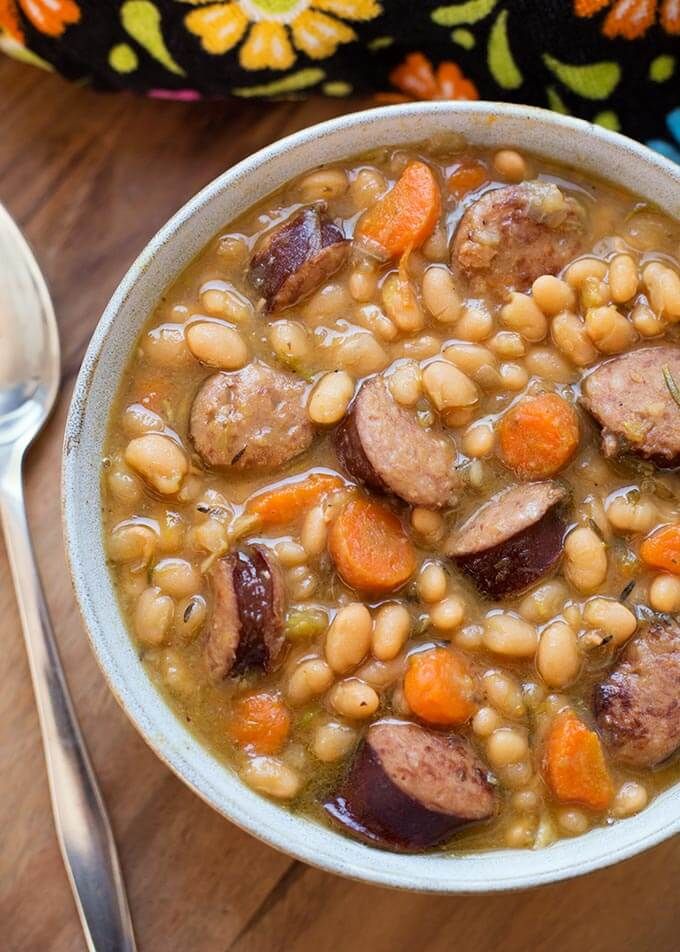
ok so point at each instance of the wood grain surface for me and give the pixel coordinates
(90, 178)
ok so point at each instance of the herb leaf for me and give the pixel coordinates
(671, 384)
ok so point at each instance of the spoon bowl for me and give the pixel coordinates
(29, 342)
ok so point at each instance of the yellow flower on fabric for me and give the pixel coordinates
(273, 30)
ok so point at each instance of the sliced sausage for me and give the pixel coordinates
(251, 418)
(410, 788)
(246, 626)
(637, 707)
(513, 540)
(381, 444)
(512, 235)
(632, 398)
(296, 257)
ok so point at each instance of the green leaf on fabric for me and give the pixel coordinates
(337, 88)
(464, 38)
(662, 68)
(380, 43)
(470, 12)
(501, 62)
(555, 101)
(608, 120)
(123, 58)
(22, 54)
(593, 81)
(142, 20)
(294, 82)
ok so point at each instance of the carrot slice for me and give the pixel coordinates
(438, 687)
(539, 436)
(260, 722)
(405, 216)
(661, 549)
(575, 767)
(466, 178)
(369, 547)
(282, 505)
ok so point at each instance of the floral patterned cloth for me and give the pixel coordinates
(615, 62)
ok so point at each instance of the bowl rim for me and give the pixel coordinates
(277, 833)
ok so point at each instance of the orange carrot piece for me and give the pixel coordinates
(282, 505)
(260, 722)
(439, 688)
(661, 549)
(575, 768)
(405, 216)
(539, 436)
(466, 178)
(369, 547)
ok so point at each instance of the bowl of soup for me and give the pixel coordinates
(372, 501)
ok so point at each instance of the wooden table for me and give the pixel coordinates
(90, 178)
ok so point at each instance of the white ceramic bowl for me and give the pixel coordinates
(569, 141)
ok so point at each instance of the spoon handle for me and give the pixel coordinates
(83, 829)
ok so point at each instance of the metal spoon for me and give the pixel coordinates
(29, 381)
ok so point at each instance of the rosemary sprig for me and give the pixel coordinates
(671, 384)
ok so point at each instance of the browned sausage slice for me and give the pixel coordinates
(381, 444)
(296, 257)
(513, 540)
(632, 398)
(251, 418)
(512, 235)
(410, 788)
(637, 707)
(246, 627)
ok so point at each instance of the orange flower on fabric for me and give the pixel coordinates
(415, 78)
(50, 17)
(631, 19)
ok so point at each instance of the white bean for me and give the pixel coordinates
(558, 659)
(506, 746)
(585, 563)
(272, 777)
(176, 577)
(631, 797)
(504, 692)
(448, 614)
(333, 741)
(309, 679)
(153, 615)
(391, 630)
(611, 617)
(509, 635)
(331, 397)
(314, 532)
(289, 341)
(431, 582)
(159, 461)
(553, 295)
(217, 345)
(349, 637)
(446, 386)
(544, 602)
(623, 278)
(523, 315)
(440, 295)
(354, 699)
(631, 512)
(609, 330)
(664, 593)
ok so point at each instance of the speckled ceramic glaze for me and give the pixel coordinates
(570, 141)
